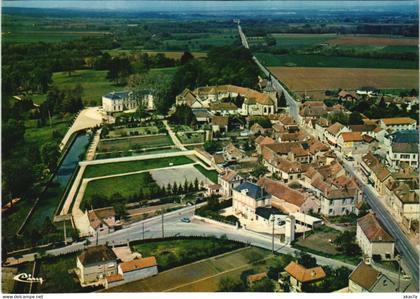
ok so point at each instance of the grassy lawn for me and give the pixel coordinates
(12, 220)
(133, 143)
(173, 253)
(180, 128)
(209, 270)
(94, 84)
(333, 61)
(204, 276)
(319, 241)
(212, 175)
(124, 167)
(129, 131)
(57, 279)
(41, 135)
(127, 186)
(160, 150)
(189, 138)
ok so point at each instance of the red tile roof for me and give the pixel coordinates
(302, 274)
(373, 230)
(281, 191)
(141, 263)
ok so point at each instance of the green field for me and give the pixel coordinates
(133, 143)
(212, 175)
(172, 253)
(126, 186)
(190, 138)
(41, 135)
(138, 130)
(124, 167)
(204, 275)
(26, 29)
(333, 61)
(57, 279)
(12, 220)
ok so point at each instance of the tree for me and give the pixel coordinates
(183, 115)
(12, 134)
(355, 118)
(261, 120)
(119, 69)
(259, 171)
(228, 284)
(281, 100)
(186, 57)
(263, 285)
(18, 176)
(50, 154)
(306, 260)
(212, 146)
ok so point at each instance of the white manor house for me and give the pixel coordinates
(217, 98)
(118, 101)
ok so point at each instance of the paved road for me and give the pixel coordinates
(291, 102)
(410, 255)
(173, 136)
(174, 227)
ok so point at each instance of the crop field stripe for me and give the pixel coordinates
(315, 78)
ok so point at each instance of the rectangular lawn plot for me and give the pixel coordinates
(133, 143)
(131, 166)
(127, 186)
(212, 175)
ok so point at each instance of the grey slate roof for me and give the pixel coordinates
(254, 191)
(117, 95)
(266, 212)
(407, 136)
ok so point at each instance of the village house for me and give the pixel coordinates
(102, 221)
(301, 277)
(231, 152)
(365, 278)
(133, 270)
(338, 202)
(349, 96)
(398, 123)
(320, 125)
(286, 171)
(229, 180)
(349, 141)
(373, 239)
(216, 97)
(261, 141)
(257, 129)
(219, 124)
(213, 189)
(376, 173)
(286, 199)
(312, 110)
(403, 198)
(332, 133)
(95, 263)
(399, 153)
(247, 197)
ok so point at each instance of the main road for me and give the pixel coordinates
(410, 256)
(291, 102)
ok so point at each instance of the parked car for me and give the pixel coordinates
(186, 220)
(349, 158)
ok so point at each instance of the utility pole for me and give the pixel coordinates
(143, 230)
(272, 236)
(304, 225)
(163, 228)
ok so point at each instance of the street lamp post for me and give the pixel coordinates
(272, 236)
